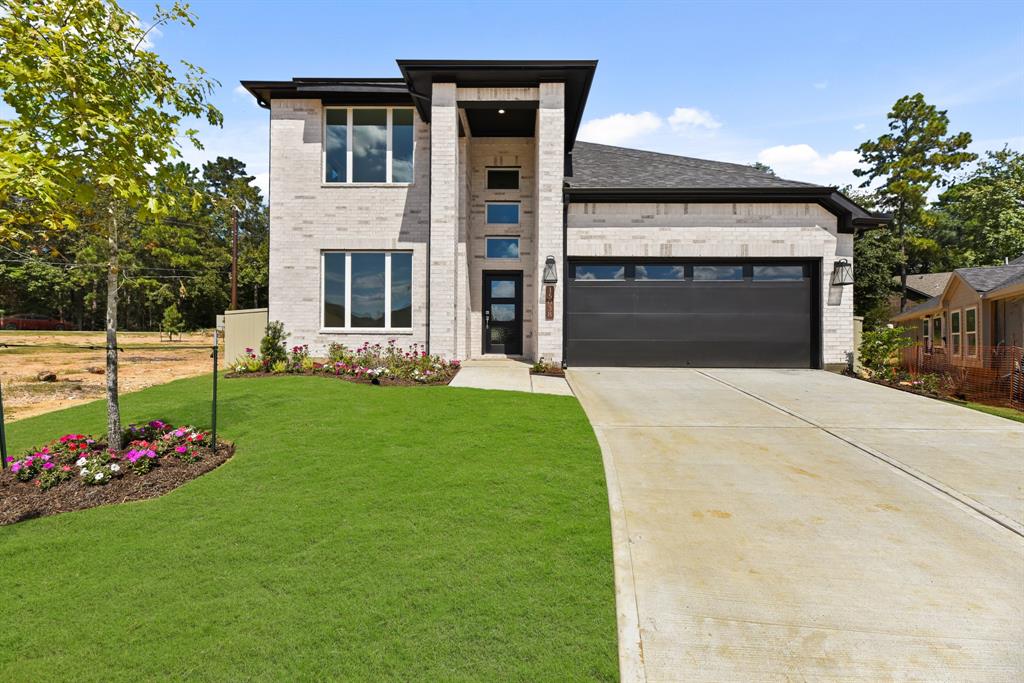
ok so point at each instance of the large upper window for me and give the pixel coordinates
(368, 145)
(367, 289)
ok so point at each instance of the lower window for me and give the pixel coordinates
(367, 289)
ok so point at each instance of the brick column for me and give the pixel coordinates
(444, 218)
(550, 177)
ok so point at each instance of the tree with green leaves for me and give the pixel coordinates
(982, 217)
(915, 155)
(98, 119)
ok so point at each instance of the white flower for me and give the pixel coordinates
(83, 473)
(99, 475)
(80, 461)
(114, 467)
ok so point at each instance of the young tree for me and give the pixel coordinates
(982, 217)
(916, 155)
(98, 121)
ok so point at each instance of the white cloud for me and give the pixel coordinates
(821, 85)
(688, 118)
(243, 139)
(241, 93)
(803, 162)
(860, 126)
(619, 128)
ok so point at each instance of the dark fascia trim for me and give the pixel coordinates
(332, 90)
(578, 75)
(849, 216)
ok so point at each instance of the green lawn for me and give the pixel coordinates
(359, 533)
(1008, 413)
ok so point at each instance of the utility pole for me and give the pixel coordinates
(234, 261)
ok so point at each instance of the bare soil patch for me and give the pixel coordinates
(22, 500)
(145, 361)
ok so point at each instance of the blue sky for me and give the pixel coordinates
(796, 85)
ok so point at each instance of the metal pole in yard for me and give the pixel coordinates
(214, 430)
(3, 434)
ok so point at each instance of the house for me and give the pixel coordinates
(453, 207)
(979, 312)
(920, 288)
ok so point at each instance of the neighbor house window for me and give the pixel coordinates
(503, 179)
(937, 331)
(599, 271)
(367, 289)
(718, 273)
(368, 145)
(971, 331)
(954, 333)
(926, 337)
(503, 213)
(660, 271)
(502, 247)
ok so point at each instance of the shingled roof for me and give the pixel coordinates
(606, 167)
(988, 278)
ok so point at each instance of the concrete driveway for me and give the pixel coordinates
(799, 525)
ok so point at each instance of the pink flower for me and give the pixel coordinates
(65, 468)
(48, 466)
(181, 449)
(16, 467)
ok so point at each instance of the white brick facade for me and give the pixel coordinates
(440, 218)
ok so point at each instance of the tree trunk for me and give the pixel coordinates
(113, 270)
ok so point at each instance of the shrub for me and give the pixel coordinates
(172, 323)
(279, 367)
(297, 356)
(879, 349)
(272, 346)
(248, 362)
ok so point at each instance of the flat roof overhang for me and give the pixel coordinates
(850, 217)
(332, 90)
(577, 75)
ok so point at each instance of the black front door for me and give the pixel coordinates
(503, 313)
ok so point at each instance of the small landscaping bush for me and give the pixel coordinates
(879, 351)
(369, 362)
(272, 346)
(543, 367)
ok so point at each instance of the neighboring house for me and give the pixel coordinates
(978, 312)
(454, 208)
(920, 288)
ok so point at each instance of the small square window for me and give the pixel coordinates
(503, 247)
(503, 214)
(503, 179)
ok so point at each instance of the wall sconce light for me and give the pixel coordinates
(842, 273)
(550, 271)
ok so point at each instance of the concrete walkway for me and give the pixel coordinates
(798, 525)
(507, 375)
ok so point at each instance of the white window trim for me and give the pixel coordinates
(517, 238)
(977, 328)
(519, 213)
(956, 338)
(387, 329)
(348, 149)
(487, 178)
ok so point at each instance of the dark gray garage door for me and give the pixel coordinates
(692, 313)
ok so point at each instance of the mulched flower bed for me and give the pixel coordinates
(549, 372)
(77, 472)
(379, 381)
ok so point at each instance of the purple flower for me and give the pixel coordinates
(15, 467)
(181, 449)
(48, 466)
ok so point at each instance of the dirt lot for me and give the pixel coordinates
(145, 361)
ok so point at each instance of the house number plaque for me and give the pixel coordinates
(549, 302)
